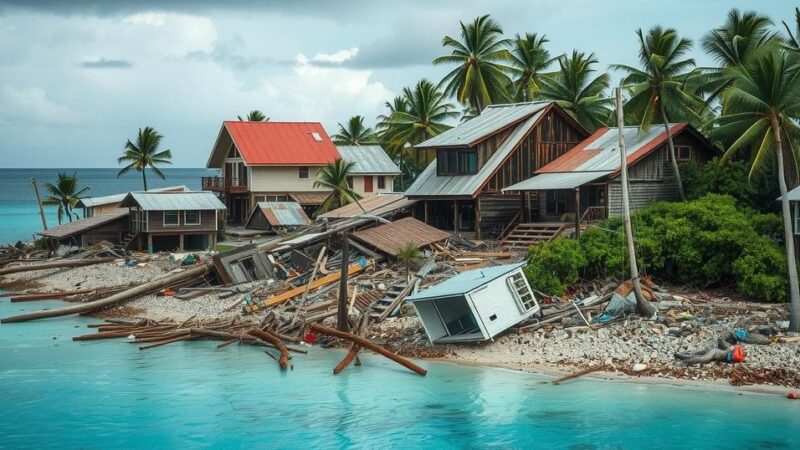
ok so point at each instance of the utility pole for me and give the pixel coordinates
(39, 202)
(643, 307)
(341, 316)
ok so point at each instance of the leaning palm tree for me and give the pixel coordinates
(573, 88)
(145, 153)
(254, 116)
(335, 177)
(64, 194)
(792, 38)
(354, 133)
(658, 90)
(481, 75)
(529, 60)
(764, 101)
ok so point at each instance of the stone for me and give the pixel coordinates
(639, 367)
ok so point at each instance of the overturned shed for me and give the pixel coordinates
(243, 264)
(391, 237)
(272, 216)
(475, 305)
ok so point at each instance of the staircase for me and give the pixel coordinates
(387, 304)
(526, 234)
(126, 241)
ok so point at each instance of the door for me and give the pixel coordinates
(368, 184)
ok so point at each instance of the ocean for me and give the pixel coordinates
(19, 215)
(59, 393)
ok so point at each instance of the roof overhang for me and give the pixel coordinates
(560, 180)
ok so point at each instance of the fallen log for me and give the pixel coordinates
(55, 265)
(123, 296)
(322, 329)
(351, 355)
(276, 341)
(580, 373)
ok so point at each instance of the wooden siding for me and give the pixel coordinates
(496, 211)
(552, 137)
(488, 147)
(642, 194)
(156, 223)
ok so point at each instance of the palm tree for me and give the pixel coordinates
(354, 133)
(573, 88)
(145, 153)
(529, 59)
(408, 255)
(334, 176)
(792, 40)
(481, 76)
(254, 116)
(659, 88)
(764, 99)
(64, 194)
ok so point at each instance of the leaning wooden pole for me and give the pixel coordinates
(39, 202)
(276, 341)
(341, 315)
(322, 329)
(64, 263)
(123, 296)
(643, 306)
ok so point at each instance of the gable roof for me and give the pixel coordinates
(280, 214)
(89, 202)
(172, 201)
(368, 159)
(275, 143)
(465, 282)
(491, 120)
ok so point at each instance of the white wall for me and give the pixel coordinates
(358, 184)
(282, 179)
(430, 320)
(496, 299)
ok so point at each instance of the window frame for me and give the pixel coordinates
(457, 162)
(177, 219)
(300, 171)
(679, 157)
(524, 305)
(186, 217)
(381, 182)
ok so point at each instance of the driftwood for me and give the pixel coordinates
(351, 355)
(322, 329)
(55, 265)
(283, 362)
(123, 296)
(580, 373)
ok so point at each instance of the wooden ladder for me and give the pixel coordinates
(391, 299)
(526, 234)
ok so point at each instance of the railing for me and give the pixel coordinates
(594, 214)
(510, 226)
(223, 184)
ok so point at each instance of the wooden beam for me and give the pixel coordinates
(455, 216)
(426, 212)
(578, 212)
(478, 217)
(324, 281)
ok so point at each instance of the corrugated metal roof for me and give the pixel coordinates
(281, 143)
(560, 180)
(491, 120)
(465, 282)
(368, 159)
(794, 195)
(116, 198)
(309, 198)
(430, 184)
(281, 214)
(600, 151)
(391, 237)
(375, 205)
(82, 225)
(172, 201)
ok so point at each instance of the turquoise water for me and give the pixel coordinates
(107, 394)
(19, 215)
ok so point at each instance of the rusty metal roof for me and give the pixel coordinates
(391, 237)
(375, 205)
(281, 214)
(309, 198)
(368, 159)
(83, 225)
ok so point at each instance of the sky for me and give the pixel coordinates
(79, 77)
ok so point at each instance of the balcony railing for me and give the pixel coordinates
(594, 214)
(224, 184)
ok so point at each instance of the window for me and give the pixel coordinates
(683, 153)
(381, 182)
(171, 219)
(302, 172)
(316, 137)
(350, 182)
(456, 162)
(522, 293)
(233, 152)
(555, 203)
(191, 217)
(272, 198)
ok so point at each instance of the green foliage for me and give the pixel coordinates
(354, 132)
(409, 255)
(710, 241)
(731, 179)
(334, 177)
(144, 153)
(64, 194)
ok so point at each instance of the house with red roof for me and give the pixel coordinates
(280, 161)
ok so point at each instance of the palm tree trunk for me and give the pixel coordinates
(671, 146)
(791, 262)
(144, 178)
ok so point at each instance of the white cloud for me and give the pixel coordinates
(31, 106)
(338, 57)
(147, 18)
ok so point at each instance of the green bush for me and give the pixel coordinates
(731, 179)
(711, 241)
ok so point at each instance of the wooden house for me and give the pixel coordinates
(111, 226)
(173, 220)
(462, 189)
(109, 204)
(584, 185)
(476, 305)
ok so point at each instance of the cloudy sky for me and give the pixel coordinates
(78, 77)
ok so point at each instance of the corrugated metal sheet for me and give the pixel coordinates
(600, 151)
(391, 237)
(368, 159)
(172, 201)
(430, 184)
(465, 282)
(375, 205)
(116, 198)
(794, 195)
(492, 119)
(82, 225)
(309, 198)
(282, 214)
(282, 143)
(546, 181)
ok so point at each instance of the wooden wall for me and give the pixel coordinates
(156, 223)
(496, 212)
